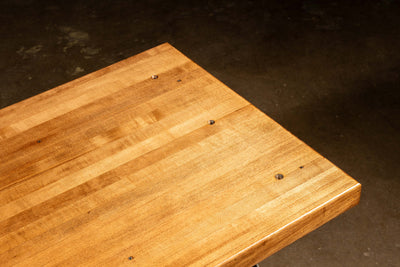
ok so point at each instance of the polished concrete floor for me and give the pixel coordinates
(328, 71)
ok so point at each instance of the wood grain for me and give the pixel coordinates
(117, 168)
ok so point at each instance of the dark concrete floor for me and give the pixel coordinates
(328, 71)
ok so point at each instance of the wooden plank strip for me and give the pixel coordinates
(129, 123)
(75, 89)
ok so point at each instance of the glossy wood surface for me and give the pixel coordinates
(119, 168)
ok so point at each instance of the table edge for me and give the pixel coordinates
(296, 229)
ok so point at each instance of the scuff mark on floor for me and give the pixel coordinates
(88, 52)
(25, 53)
(72, 38)
(76, 71)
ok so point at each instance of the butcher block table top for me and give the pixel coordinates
(154, 161)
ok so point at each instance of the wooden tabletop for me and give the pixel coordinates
(154, 161)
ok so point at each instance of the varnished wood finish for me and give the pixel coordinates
(117, 165)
